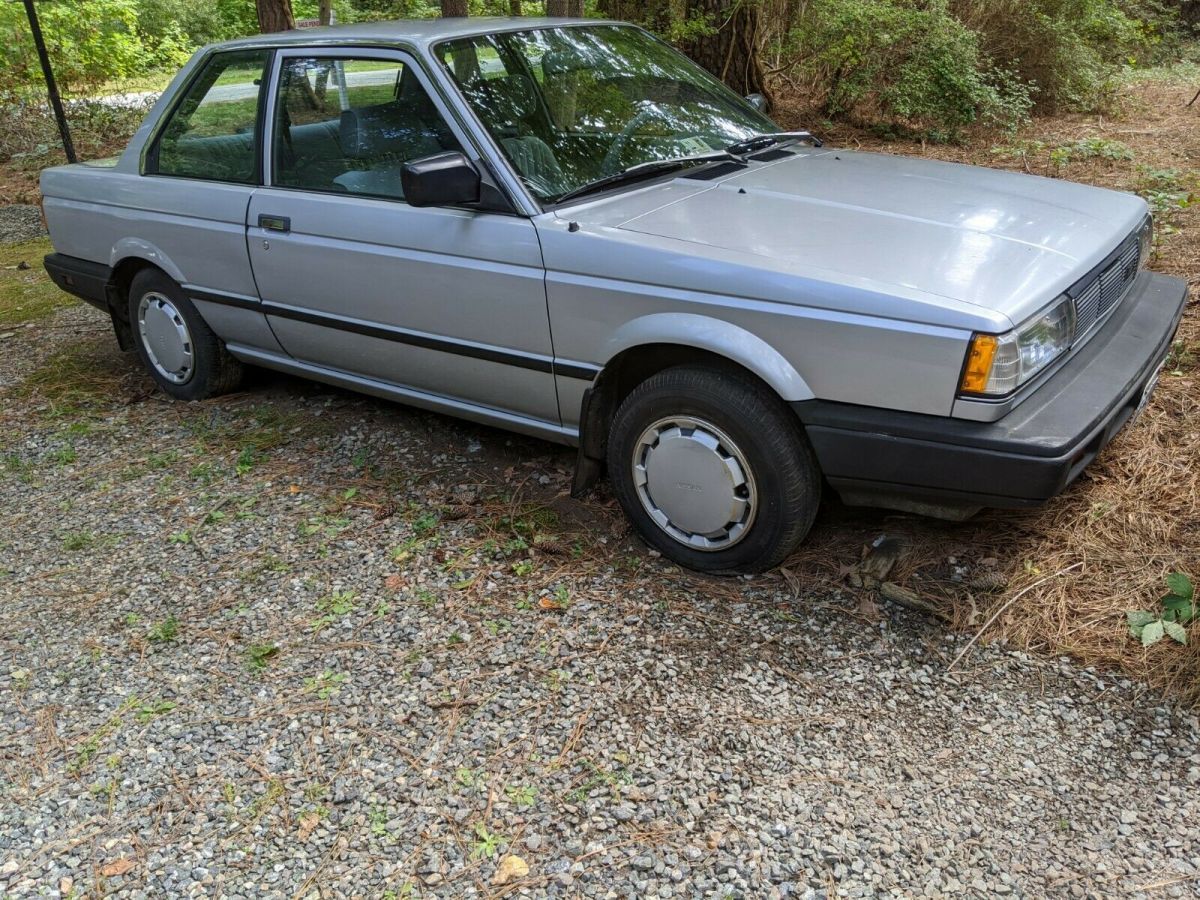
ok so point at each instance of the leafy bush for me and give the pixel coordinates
(904, 61)
(90, 41)
(1071, 49)
(940, 65)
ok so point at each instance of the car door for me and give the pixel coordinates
(448, 302)
(200, 169)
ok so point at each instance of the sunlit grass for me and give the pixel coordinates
(27, 294)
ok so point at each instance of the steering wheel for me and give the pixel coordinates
(612, 159)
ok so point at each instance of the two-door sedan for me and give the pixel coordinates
(566, 228)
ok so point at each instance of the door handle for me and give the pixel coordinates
(274, 223)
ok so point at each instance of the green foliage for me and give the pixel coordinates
(1177, 608)
(936, 66)
(487, 843)
(258, 655)
(89, 40)
(903, 62)
(1072, 50)
(523, 795)
(1165, 190)
(1090, 148)
(152, 710)
(165, 631)
(325, 685)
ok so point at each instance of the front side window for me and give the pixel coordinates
(570, 105)
(212, 133)
(347, 125)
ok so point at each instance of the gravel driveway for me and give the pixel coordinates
(301, 643)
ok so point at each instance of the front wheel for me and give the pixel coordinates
(713, 469)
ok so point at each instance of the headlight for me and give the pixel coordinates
(998, 364)
(1145, 242)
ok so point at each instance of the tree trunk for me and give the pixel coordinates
(731, 51)
(275, 15)
(514, 7)
(325, 12)
(557, 8)
(454, 8)
(575, 8)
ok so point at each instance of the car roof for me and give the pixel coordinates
(406, 31)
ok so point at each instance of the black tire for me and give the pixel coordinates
(770, 440)
(212, 370)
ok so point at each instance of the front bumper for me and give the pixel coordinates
(953, 467)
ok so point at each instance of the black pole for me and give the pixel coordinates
(51, 86)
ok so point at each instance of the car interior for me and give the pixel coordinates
(360, 150)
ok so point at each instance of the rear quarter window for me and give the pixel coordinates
(213, 131)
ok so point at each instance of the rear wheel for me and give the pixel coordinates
(175, 344)
(713, 469)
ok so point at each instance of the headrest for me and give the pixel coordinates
(370, 130)
(504, 101)
(561, 60)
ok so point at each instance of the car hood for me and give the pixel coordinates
(1003, 241)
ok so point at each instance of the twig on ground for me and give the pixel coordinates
(1005, 605)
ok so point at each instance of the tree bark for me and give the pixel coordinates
(557, 8)
(731, 51)
(454, 9)
(274, 15)
(514, 7)
(325, 12)
(575, 8)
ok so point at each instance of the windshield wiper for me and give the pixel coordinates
(759, 141)
(643, 169)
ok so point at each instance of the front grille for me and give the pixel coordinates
(1099, 293)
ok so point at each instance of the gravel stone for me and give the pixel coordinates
(19, 223)
(300, 641)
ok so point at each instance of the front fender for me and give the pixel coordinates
(716, 336)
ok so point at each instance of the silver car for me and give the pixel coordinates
(565, 228)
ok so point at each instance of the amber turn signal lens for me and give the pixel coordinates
(979, 363)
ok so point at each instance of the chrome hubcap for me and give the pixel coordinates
(694, 481)
(165, 336)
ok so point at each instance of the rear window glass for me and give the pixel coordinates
(212, 132)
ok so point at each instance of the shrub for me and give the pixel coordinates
(89, 41)
(1071, 49)
(902, 61)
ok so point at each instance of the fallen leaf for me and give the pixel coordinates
(293, 488)
(394, 582)
(308, 822)
(117, 867)
(868, 608)
(549, 603)
(511, 868)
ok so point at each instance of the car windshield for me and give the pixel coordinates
(569, 106)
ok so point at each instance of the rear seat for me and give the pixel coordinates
(224, 157)
(316, 156)
(362, 151)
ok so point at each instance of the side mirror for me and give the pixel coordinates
(444, 179)
(758, 101)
